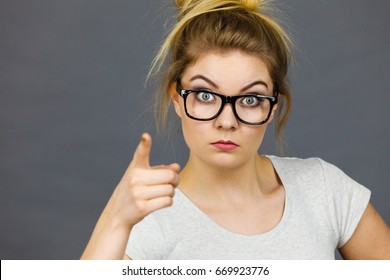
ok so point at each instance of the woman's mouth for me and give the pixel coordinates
(225, 145)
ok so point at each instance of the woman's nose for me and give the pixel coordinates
(227, 119)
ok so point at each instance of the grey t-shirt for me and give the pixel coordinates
(322, 209)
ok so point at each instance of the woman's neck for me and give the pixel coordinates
(252, 179)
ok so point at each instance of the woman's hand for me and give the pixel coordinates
(143, 189)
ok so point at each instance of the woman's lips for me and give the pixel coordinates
(225, 145)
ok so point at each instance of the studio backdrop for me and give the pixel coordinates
(73, 105)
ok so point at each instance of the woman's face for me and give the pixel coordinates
(231, 73)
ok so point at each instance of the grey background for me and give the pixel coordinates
(73, 106)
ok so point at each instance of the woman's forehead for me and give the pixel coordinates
(228, 67)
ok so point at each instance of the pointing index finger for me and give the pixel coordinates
(142, 152)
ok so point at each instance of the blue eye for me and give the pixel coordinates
(205, 96)
(250, 101)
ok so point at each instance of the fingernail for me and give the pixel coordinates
(143, 137)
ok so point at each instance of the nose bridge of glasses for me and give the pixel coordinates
(228, 100)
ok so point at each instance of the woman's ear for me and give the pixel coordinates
(175, 98)
(274, 108)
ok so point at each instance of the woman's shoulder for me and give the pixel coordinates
(311, 170)
(295, 165)
(295, 160)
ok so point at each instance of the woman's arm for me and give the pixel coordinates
(109, 238)
(142, 190)
(371, 239)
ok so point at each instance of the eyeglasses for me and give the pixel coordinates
(204, 105)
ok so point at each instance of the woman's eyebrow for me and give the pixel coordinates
(255, 83)
(205, 79)
(216, 86)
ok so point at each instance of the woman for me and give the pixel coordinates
(227, 81)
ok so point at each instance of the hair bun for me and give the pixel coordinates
(250, 5)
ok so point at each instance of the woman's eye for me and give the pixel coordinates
(205, 96)
(250, 101)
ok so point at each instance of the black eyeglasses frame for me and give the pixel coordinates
(227, 99)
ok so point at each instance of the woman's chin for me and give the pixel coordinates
(224, 161)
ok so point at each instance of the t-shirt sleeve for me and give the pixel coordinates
(347, 201)
(147, 241)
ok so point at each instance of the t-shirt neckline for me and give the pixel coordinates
(216, 227)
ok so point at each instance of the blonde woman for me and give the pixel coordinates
(224, 68)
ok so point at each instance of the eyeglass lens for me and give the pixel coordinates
(206, 105)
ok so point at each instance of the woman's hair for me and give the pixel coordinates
(220, 26)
